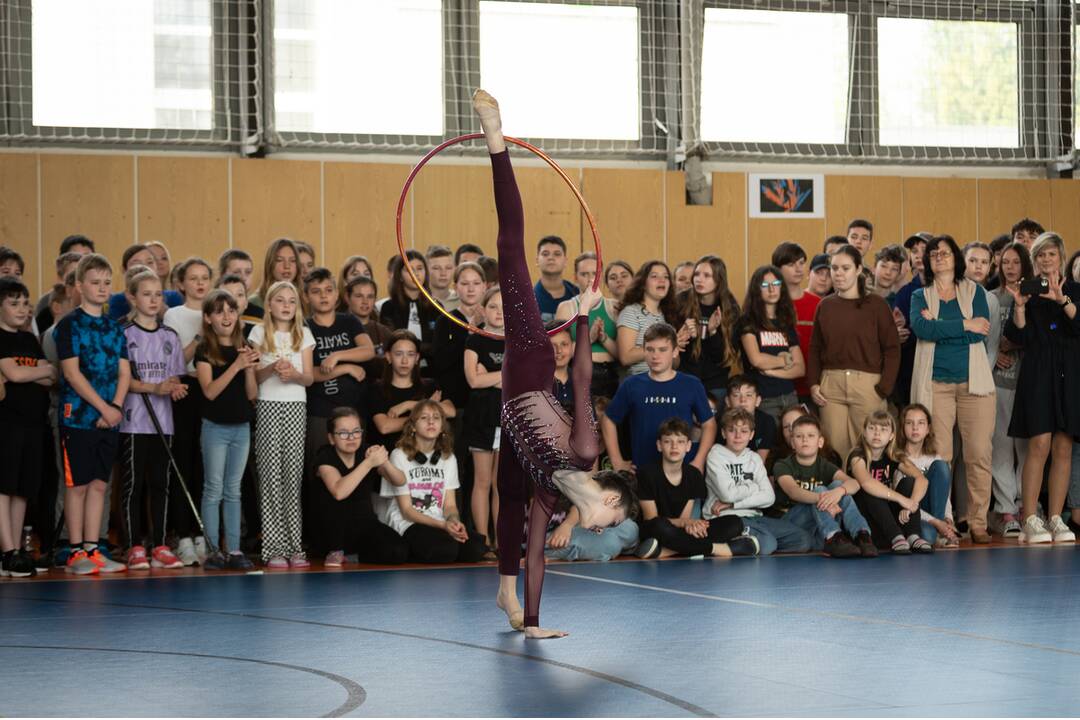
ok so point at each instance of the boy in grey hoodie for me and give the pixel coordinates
(738, 485)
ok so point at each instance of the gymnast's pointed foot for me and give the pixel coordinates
(539, 633)
(487, 110)
(507, 601)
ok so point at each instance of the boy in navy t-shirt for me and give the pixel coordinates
(651, 398)
(93, 360)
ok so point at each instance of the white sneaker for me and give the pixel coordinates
(1061, 531)
(1035, 531)
(200, 550)
(185, 550)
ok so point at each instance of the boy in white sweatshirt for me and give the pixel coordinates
(738, 485)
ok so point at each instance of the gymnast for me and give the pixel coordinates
(547, 448)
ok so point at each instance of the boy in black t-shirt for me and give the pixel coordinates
(23, 414)
(742, 392)
(667, 491)
(341, 344)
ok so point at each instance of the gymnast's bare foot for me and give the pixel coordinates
(487, 110)
(508, 603)
(539, 633)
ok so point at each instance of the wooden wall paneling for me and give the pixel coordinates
(19, 220)
(766, 233)
(361, 200)
(551, 209)
(271, 199)
(1003, 202)
(629, 212)
(943, 206)
(93, 195)
(873, 198)
(1065, 211)
(718, 229)
(184, 203)
(453, 205)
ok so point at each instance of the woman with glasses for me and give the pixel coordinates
(854, 353)
(769, 340)
(950, 316)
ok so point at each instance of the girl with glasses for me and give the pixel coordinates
(769, 340)
(348, 473)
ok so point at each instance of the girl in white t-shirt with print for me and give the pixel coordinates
(421, 479)
(285, 347)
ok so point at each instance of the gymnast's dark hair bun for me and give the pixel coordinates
(624, 483)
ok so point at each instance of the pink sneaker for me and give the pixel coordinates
(136, 558)
(299, 562)
(277, 563)
(164, 558)
(335, 559)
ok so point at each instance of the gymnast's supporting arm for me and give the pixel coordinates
(583, 433)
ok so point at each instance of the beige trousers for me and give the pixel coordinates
(974, 415)
(851, 398)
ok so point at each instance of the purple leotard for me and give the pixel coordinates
(541, 435)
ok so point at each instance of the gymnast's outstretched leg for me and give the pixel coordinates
(528, 365)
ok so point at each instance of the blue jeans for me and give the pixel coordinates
(587, 545)
(225, 455)
(937, 495)
(822, 524)
(778, 535)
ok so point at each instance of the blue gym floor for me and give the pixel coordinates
(975, 632)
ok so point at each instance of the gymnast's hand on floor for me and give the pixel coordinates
(539, 633)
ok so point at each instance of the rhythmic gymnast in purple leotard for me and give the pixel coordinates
(546, 448)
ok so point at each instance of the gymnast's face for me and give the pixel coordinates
(604, 513)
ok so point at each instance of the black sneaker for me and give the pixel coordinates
(215, 561)
(648, 548)
(838, 546)
(866, 545)
(17, 564)
(239, 562)
(744, 545)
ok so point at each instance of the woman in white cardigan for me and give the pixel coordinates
(951, 319)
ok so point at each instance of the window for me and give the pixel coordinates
(562, 71)
(947, 83)
(769, 76)
(358, 66)
(122, 64)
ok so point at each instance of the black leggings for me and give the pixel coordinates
(187, 449)
(884, 516)
(145, 470)
(721, 529)
(350, 525)
(429, 544)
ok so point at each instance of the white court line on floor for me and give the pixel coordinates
(823, 613)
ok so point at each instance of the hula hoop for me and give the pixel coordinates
(554, 166)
